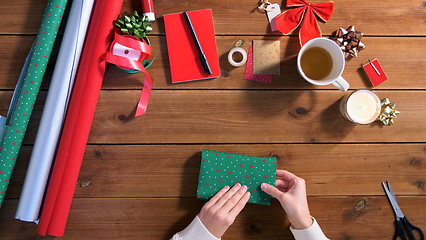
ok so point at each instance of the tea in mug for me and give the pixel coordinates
(316, 63)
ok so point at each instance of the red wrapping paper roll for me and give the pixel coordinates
(79, 118)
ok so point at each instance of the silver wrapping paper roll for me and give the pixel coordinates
(54, 111)
(2, 126)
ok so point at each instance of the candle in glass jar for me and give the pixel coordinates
(361, 106)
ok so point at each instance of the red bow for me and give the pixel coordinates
(292, 18)
(128, 64)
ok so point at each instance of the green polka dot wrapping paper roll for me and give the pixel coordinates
(219, 169)
(27, 90)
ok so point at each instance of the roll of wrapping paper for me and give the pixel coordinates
(27, 89)
(79, 118)
(54, 111)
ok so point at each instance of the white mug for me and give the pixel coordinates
(335, 76)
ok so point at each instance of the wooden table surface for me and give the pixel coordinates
(139, 175)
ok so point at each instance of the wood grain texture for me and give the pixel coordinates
(135, 171)
(249, 117)
(187, 116)
(354, 217)
(402, 18)
(404, 70)
(139, 175)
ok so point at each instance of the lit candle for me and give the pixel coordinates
(361, 106)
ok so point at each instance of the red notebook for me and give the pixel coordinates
(183, 54)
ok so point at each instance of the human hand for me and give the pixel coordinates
(290, 190)
(222, 209)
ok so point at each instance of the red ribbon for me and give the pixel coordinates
(128, 63)
(304, 16)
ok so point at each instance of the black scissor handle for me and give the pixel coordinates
(410, 228)
(399, 231)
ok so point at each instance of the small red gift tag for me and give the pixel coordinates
(375, 72)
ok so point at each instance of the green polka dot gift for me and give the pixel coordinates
(219, 169)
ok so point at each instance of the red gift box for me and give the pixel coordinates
(375, 72)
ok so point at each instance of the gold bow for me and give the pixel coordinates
(263, 4)
(388, 112)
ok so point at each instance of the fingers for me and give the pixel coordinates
(286, 175)
(233, 201)
(222, 209)
(216, 197)
(284, 190)
(288, 180)
(281, 184)
(271, 190)
(241, 204)
(224, 199)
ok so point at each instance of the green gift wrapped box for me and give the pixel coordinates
(219, 169)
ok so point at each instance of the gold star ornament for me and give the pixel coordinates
(388, 112)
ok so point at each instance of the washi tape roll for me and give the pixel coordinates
(231, 60)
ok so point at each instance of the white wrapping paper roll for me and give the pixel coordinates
(54, 111)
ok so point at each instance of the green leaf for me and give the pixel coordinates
(121, 21)
(149, 29)
(133, 19)
(129, 26)
(136, 14)
(126, 18)
(124, 30)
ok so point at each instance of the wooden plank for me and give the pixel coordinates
(183, 116)
(240, 117)
(21, 17)
(409, 65)
(139, 175)
(402, 18)
(153, 218)
(249, 117)
(172, 170)
(230, 18)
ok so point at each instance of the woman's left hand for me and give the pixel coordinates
(221, 210)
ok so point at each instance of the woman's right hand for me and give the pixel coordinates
(290, 190)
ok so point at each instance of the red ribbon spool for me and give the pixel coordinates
(128, 63)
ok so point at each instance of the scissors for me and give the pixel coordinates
(400, 220)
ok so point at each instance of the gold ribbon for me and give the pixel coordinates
(388, 112)
(263, 4)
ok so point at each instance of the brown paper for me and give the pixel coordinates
(266, 57)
